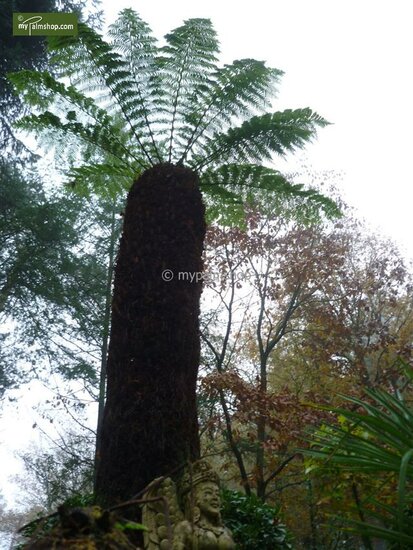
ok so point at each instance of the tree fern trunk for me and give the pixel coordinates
(150, 421)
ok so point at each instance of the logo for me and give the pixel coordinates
(44, 24)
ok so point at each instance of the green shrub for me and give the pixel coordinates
(254, 525)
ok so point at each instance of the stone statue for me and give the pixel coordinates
(196, 523)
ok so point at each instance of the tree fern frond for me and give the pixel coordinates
(72, 59)
(186, 62)
(113, 71)
(261, 136)
(98, 137)
(240, 183)
(230, 215)
(238, 89)
(133, 38)
(106, 178)
(42, 90)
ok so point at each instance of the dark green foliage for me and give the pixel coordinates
(37, 233)
(254, 524)
(16, 52)
(53, 279)
(37, 230)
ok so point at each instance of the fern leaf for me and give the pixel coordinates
(260, 137)
(186, 63)
(132, 37)
(238, 90)
(42, 90)
(95, 136)
(104, 178)
(111, 70)
(247, 183)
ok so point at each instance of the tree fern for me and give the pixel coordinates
(173, 123)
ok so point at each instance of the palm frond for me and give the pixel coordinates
(378, 440)
(404, 539)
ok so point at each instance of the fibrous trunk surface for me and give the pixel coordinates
(150, 422)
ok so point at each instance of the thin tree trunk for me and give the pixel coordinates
(105, 342)
(365, 538)
(262, 432)
(233, 446)
(312, 512)
(150, 424)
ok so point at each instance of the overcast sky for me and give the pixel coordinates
(350, 61)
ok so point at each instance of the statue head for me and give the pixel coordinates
(200, 492)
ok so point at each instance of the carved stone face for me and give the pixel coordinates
(208, 499)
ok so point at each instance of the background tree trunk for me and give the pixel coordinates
(150, 421)
(105, 340)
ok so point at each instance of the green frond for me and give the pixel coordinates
(250, 183)
(80, 58)
(371, 442)
(186, 65)
(33, 87)
(109, 179)
(237, 90)
(133, 39)
(246, 85)
(99, 137)
(226, 214)
(108, 68)
(377, 441)
(260, 137)
(42, 90)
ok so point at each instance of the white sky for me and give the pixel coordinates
(348, 60)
